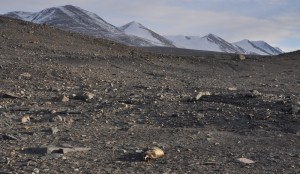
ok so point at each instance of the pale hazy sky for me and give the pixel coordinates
(274, 21)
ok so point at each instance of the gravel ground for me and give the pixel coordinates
(75, 104)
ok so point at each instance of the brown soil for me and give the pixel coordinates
(142, 99)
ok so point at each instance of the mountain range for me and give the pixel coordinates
(75, 19)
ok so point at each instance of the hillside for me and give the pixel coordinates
(77, 104)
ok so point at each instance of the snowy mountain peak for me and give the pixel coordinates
(136, 29)
(132, 25)
(210, 35)
(135, 23)
(258, 47)
(75, 19)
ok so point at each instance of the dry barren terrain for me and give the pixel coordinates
(75, 104)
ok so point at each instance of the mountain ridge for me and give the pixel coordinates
(75, 19)
(209, 42)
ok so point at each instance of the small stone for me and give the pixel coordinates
(36, 170)
(139, 151)
(63, 98)
(153, 153)
(242, 57)
(202, 94)
(25, 76)
(210, 163)
(25, 119)
(232, 88)
(245, 161)
(253, 94)
(57, 118)
(55, 89)
(54, 130)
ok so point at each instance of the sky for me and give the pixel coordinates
(274, 21)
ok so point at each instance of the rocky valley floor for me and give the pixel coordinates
(76, 104)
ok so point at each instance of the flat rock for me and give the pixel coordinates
(245, 161)
(232, 89)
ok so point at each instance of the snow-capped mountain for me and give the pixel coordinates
(267, 48)
(250, 47)
(209, 42)
(137, 29)
(25, 16)
(258, 47)
(75, 19)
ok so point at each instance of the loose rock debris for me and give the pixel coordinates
(142, 100)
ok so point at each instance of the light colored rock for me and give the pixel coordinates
(246, 161)
(25, 119)
(54, 130)
(232, 88)
(202, 94)
(153, 153)
(36, 170)
(242, 57)
(25, 76)
(63, 98)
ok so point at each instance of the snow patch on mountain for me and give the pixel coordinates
(137, 29)
(26, 16)
(258, 47)
(267, 48)
(209, 42)
(250, 47)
